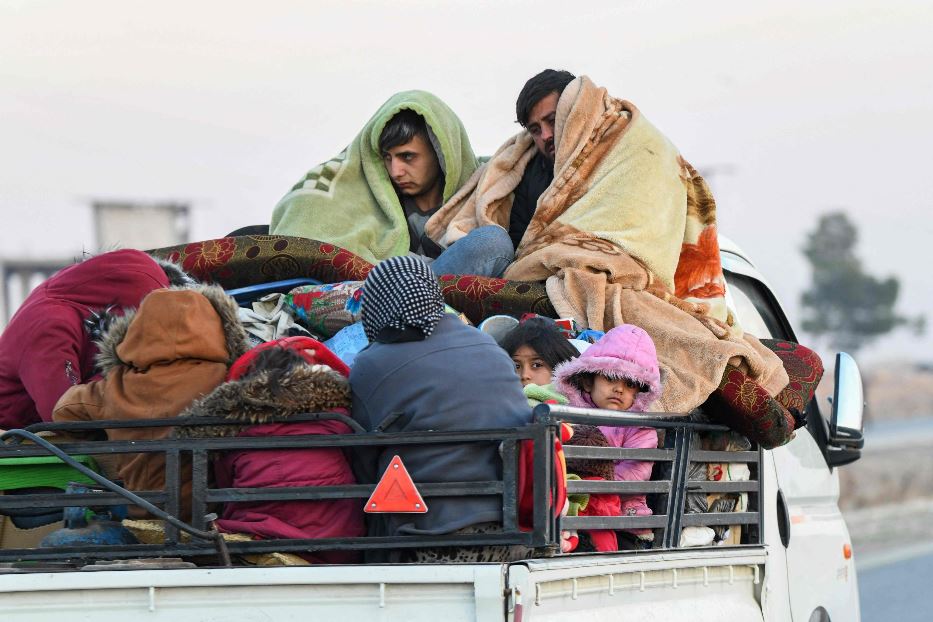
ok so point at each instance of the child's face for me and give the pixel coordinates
(530, 367)
(611, 394)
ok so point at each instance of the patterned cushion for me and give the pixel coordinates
(479, 297)
(325, 309)
(233, 262)
(804, 368)
(252, 259)
(742, 404)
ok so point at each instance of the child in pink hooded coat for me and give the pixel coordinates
(619, 372)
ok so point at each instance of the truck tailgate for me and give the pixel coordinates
(708, 584)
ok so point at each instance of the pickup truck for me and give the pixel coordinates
(786, 554)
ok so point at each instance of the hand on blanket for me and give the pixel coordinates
(700, 312)
(717, 327)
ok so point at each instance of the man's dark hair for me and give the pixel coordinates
(544, 337)
(547, 82)
(401, 129)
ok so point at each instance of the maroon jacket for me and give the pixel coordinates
(45, 349)
(304, 388)
(291, 468)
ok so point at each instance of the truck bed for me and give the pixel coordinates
(160, 581)
(701, 584)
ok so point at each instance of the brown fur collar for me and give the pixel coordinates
(224, 305)
(303, 389)
(177, 277)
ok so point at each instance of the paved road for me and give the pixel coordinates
(898, 433)
(895, 585)
(894, 575)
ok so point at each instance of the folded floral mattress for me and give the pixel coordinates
(242, 261)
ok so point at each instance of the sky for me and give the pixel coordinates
(792, 108)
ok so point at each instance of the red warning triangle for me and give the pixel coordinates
(395, 492)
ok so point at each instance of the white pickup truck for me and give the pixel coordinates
(793, 560)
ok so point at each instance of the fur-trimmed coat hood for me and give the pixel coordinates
(251, 401)
(176, 348)
(176, 275)
(626, 351)
(175, 323)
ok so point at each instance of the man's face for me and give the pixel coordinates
(413, 167)
(541, 124)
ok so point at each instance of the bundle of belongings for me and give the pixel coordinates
(626, 233)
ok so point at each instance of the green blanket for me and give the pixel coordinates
(350, 201)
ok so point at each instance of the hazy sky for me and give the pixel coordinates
(798, 107)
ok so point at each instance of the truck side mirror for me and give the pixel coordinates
(846, 437)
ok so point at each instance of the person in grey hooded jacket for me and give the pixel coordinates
(427, 370)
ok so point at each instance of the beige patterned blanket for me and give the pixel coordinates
(626, 233)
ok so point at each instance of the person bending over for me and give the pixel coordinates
(49, 344)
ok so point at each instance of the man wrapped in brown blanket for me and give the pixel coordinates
(626, 233)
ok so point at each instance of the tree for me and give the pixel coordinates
(844, 304)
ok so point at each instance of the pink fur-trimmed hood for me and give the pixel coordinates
(626, 351)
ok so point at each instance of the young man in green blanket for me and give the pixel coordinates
(413, 158)
(374, 197)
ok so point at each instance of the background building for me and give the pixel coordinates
(117, 224)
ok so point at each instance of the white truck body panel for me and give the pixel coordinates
(699, 585)
(342, 593)
(818, 573)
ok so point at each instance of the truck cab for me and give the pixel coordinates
(809, 543)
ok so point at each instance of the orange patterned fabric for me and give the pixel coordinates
(699, 271)
(699, 277)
